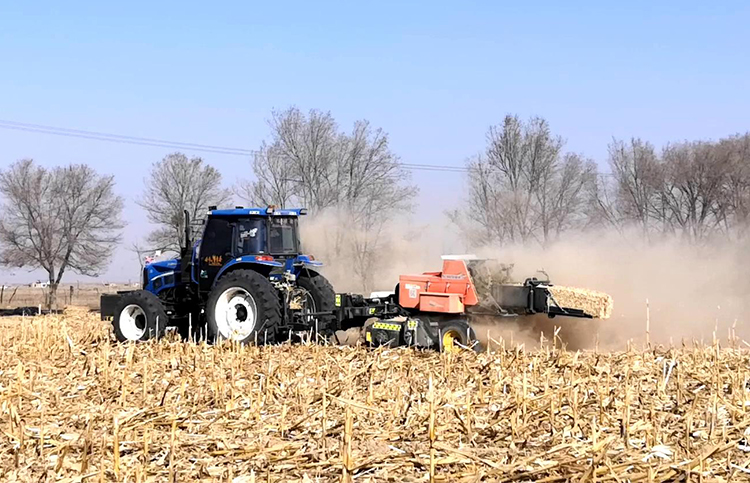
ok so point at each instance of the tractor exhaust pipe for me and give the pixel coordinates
(187, 233)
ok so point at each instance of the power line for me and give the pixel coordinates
(117, 138)
(161, 143)
(435, 167)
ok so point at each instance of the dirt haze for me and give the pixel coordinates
(692, 291)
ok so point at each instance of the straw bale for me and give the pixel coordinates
(75, 406)
(596, 304)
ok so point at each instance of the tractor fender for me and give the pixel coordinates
(301, 261)
(249, 262)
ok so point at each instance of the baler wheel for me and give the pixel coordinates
(456, 336)
(451, 339)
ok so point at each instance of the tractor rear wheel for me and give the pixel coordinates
(139, 316)
(320, 298)
(243, 307)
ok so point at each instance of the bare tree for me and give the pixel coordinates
(310, 162)
(638, 178)
(694, 185)
(564, 195)
(525, 155)
(523, 188)
(485, 191)
(61, 219)
(273, 185)
(177, 184)
(602, 207)
(734, 205)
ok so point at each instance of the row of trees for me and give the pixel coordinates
(693, 189)
(526, 188)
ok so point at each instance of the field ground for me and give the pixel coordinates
(74, 406)
(67, 294)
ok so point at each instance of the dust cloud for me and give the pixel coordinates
(398, 247)
(694, 293)
(687, 293)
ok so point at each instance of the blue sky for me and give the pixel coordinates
(434, 75)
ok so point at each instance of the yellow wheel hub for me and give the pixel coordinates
(451, 340)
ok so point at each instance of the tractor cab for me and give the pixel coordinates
(253, 231)
(263, 239)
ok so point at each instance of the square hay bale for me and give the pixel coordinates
(596, 304)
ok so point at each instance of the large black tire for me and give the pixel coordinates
(324, 298)
(259, 298)
(139, 316)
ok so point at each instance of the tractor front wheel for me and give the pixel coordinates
(243, 307)
(139, 316)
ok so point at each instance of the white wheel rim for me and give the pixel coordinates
(133, 322)
(235, 313)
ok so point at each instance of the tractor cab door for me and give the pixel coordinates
(215, 251)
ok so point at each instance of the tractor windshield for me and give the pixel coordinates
(266, 235)
(251, 236)
(283, 236)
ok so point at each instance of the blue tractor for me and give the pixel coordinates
(244, 280)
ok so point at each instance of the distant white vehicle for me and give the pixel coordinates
(38, 284)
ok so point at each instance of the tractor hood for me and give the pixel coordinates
(164, 265)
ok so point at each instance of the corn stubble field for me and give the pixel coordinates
(77, 407)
